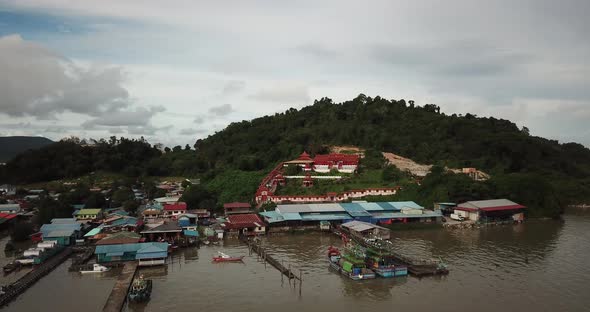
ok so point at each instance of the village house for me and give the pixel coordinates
(64, 231)
(87, 214)
(168, 231)
(244, 224)
(493, 210)
(146, 254)
(236, 208)
(10, 208)
(175, 209)
(366, 230)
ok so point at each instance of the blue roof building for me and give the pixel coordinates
(153, 253)
(384, 212)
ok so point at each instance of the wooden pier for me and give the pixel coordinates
(256, 246)
(118, 295)
(81, 258)
(15, 289)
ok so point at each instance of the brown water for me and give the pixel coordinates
(537, 266)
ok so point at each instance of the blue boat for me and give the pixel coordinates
(384, 265)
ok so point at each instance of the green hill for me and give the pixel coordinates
(14, 145)
(540, 173)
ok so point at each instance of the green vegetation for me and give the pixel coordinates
(21, 231)
(12, 146)
(539, 173)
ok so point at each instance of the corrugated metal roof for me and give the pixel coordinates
(93, 232)
(492, 203)
(326, 207)
(290, 216)
(88, 212)
(293, 208)
(106, 249)
(386, 206)
(272, 216)
(355, 210)
(58, 233)
(399, 215)
(360, 226)
(405, 204)
(63, 221)
(372, 206)
(325, 216)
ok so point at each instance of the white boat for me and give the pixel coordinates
(25, 261)
(96, 268)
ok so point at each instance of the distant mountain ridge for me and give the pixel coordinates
(14, 145)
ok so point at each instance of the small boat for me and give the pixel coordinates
(226, 258)
(11, 267)
(141, 290)
(25, 261)
(96, 268)
(349, 266)
(206, 242)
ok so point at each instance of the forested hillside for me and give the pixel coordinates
(533, 170)
(14, 145)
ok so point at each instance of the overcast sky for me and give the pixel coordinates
(175, 71)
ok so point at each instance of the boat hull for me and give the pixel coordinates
(233, 259)
(354, 277)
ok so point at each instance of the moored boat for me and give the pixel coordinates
(96, 268)
(221, 257)
(348, 265)
(11, 267)
(385, 265)
(141, 289)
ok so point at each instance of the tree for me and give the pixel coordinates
(131, 206)
(95, 200)
(121, 196)
(390, 173)
(21, 231)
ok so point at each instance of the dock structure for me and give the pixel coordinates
(416, 267)
(84, 254)
(118, 295)
(256, 246)
(15, 289)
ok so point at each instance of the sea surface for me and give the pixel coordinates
(535, 266)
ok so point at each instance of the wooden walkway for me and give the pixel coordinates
(15, 289)
(119, 293)
(255, 246)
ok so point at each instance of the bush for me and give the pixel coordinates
(22, 231)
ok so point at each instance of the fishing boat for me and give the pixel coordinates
(96, 268)
(141, 289)
(348, 265)
(11, 267)
(384, 265)
(221, 257)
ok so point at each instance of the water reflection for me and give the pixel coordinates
(537, 266)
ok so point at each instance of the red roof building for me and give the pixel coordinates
(174, 209)
(237, 208)
(491, 210)
(246, 224)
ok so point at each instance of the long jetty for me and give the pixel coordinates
(256, 246)
(15, 289)
(118, 295)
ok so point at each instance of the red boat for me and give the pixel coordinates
(226, 258)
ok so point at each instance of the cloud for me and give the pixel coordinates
(199, 120)
(35, 81)
(233, 87)
(135, 118)
(221, 110)
(192, 131)
(290, 94)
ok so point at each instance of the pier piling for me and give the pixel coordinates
(118, 295)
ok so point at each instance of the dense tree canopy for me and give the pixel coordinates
(231, 162)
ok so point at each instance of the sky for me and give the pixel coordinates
(175, 71)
